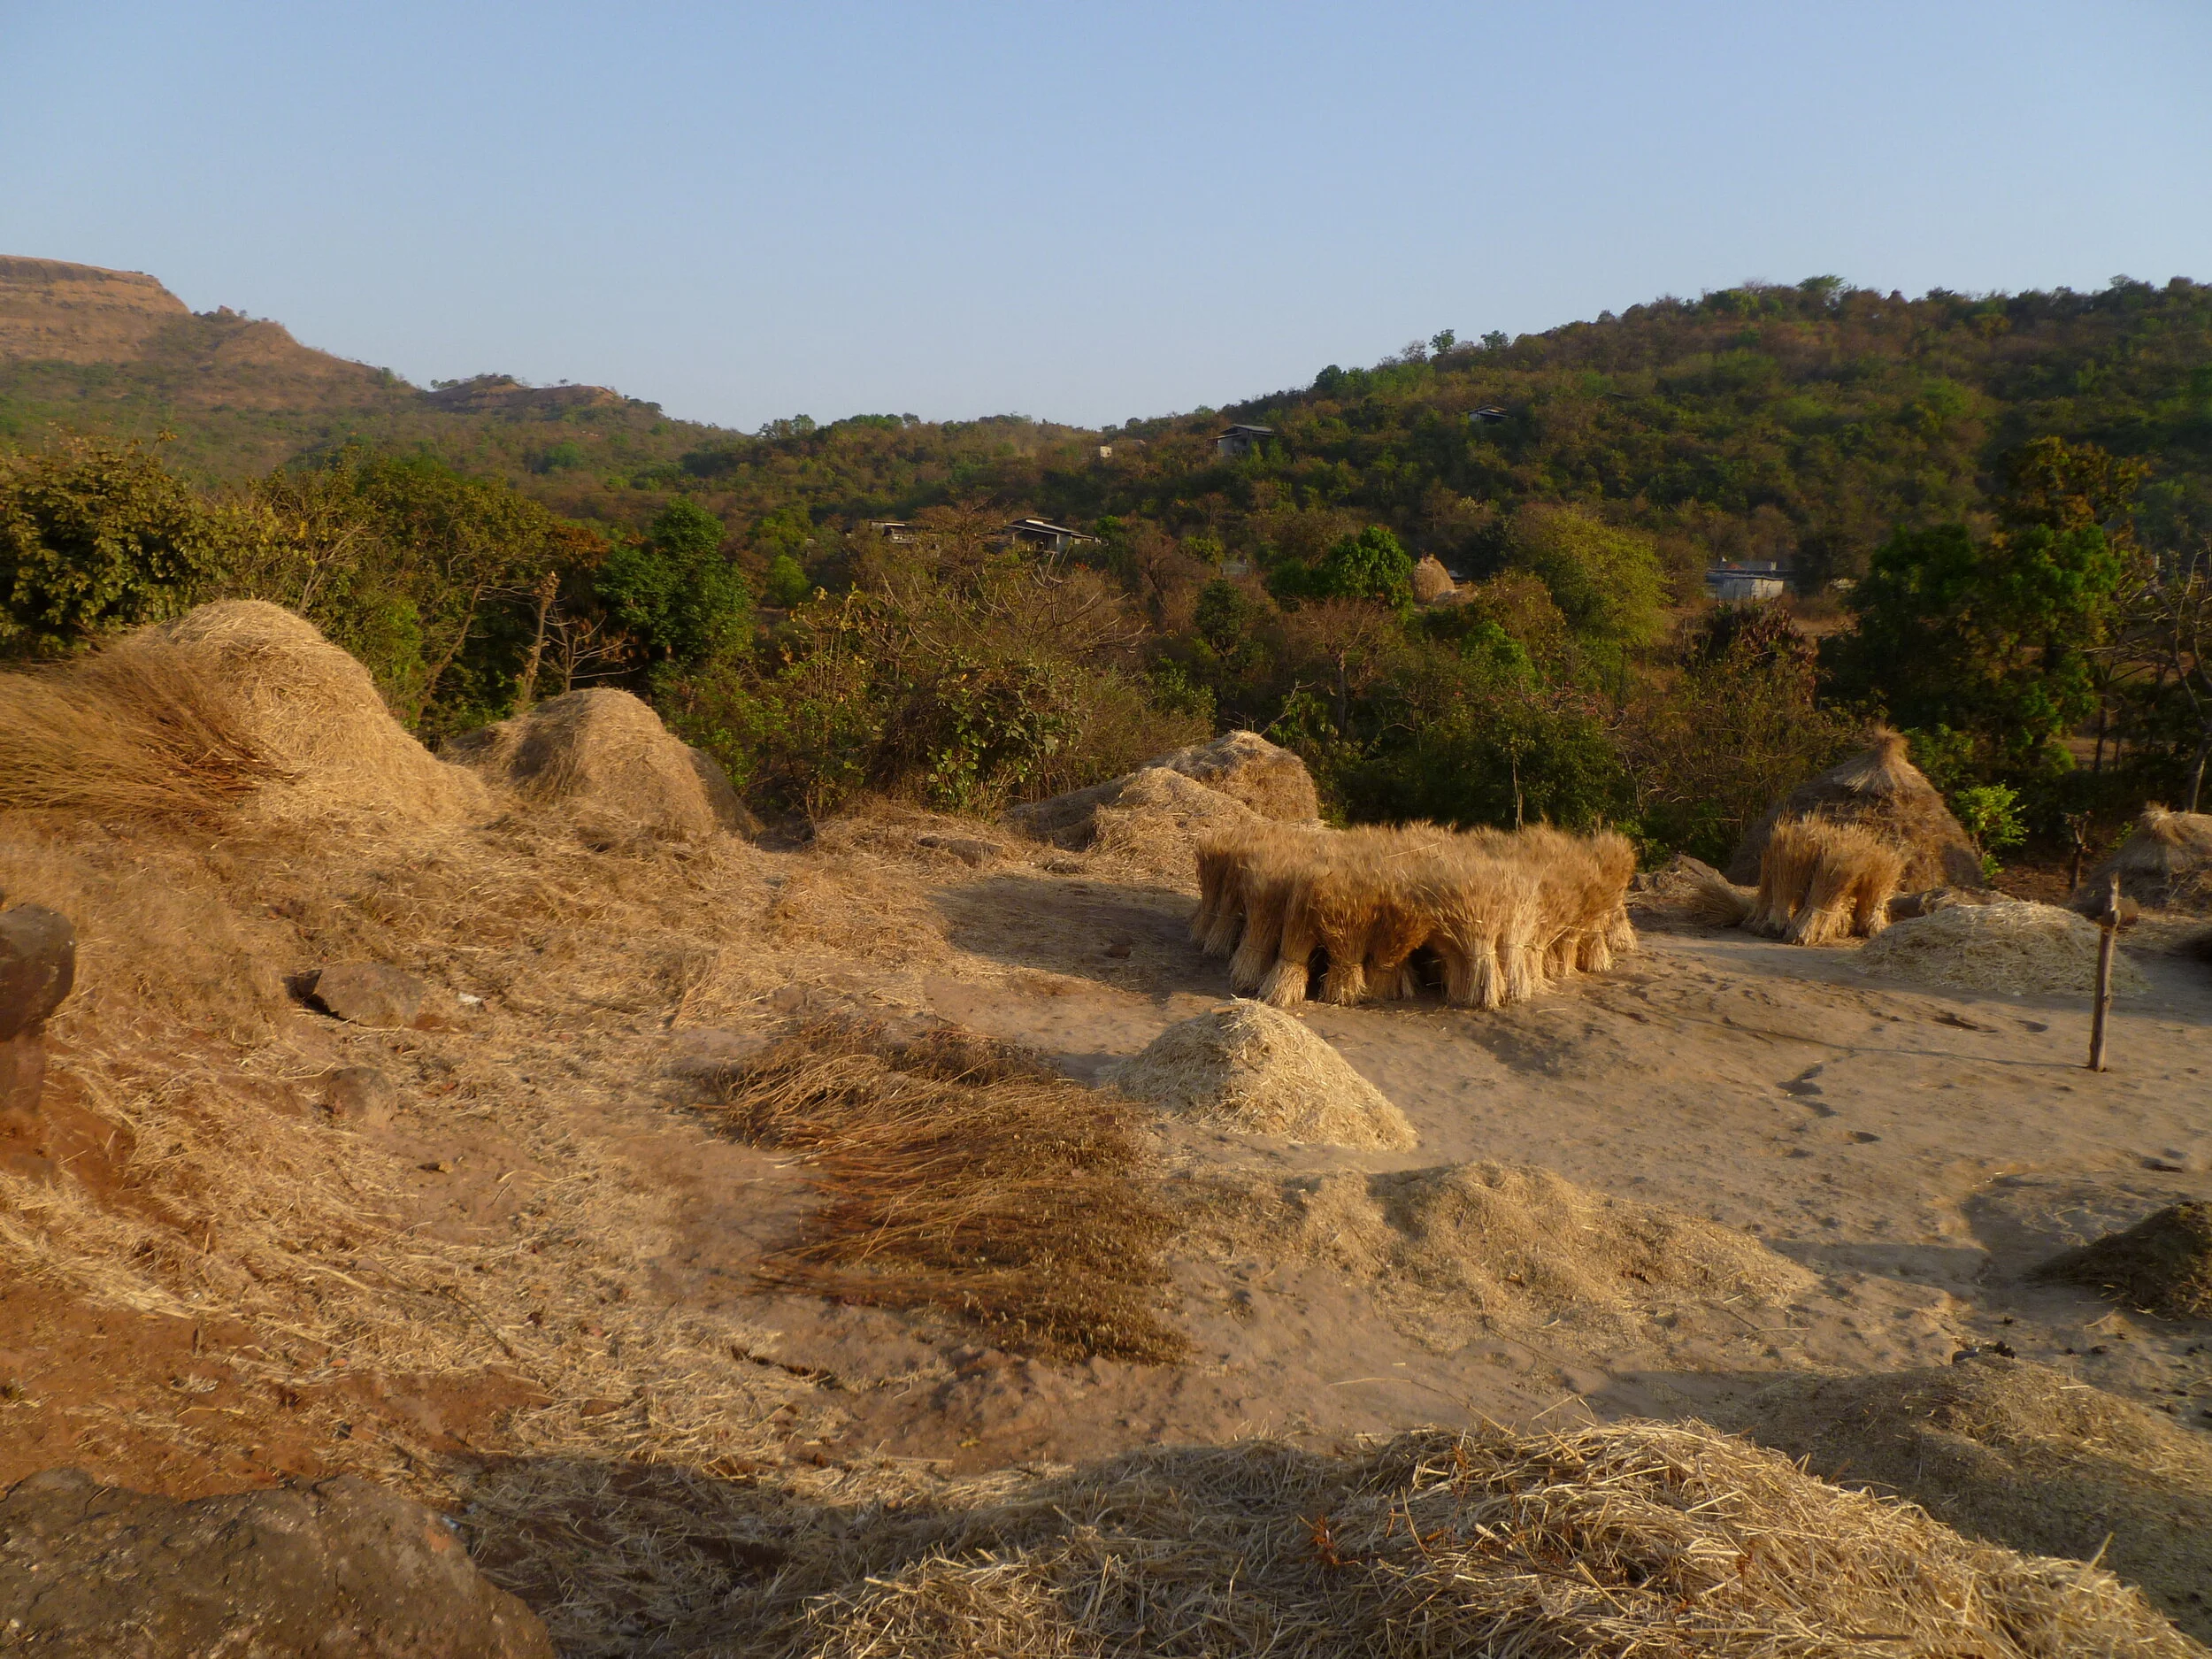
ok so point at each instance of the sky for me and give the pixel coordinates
(1081, 214)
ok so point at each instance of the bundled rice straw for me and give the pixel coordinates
(1668, 1542)
(1248, 1068)
(1503, 914)
(2027, 949)
(1880, 790)
(1820, 880)
(961, 1175)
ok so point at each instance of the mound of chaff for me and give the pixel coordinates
(959, 1173)
(1502, 914)
(2018, 1454)
(1663, 1541)
(1248, 1068)
(2027, 949)
(2161, 1264)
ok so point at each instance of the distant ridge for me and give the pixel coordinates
(54, 311)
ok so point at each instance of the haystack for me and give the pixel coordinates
(1821, 880)
(1686, 889)
(1248, 1068)
(2027, 949)
(1244, 767)
(1432, 582)
(604, 755)
(1157, 817)
(2018, 1454)
(1500, 915)
(2164, 864)
(1656, 1540)
(1880, 790)
(2162, 1264)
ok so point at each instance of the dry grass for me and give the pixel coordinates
(956, 1174)
(2026, 949)
(1248, 1068)
(605, 754)
(1501, 916)
(1236, 769)
(1453, 1251)
(1821, 880)
(1666, 1542)
(1881, 791)
(2165, 863)
(2162, 1264)
(2018, 1454)
(130, 734)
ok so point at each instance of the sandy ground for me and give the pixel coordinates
(1913, 1151)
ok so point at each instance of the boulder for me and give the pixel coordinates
(371, 994)
(339, 1570)
(38, 965)
(360, 1097)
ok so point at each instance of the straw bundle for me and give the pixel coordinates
(605, 753)
(1638, 1538)
(1882, 791)
(1821, 880)
(2018, 1454)
(1248, 1068)
(958, 1173)
(1502, 915)
(2164, 864)
(2027, 949)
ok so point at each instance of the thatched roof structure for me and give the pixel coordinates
(1879, 789)
(2164, 864)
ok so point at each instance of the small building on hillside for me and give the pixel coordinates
(1488, 415)
(893, 529)
(1040, 533)
(1241, 440)
(1734, 584)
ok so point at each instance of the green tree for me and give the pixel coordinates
(674, 591)
(96, 537)
(1370, 566)
(785, 584)
(1606, 580)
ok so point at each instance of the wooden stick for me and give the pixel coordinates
(2108, 931)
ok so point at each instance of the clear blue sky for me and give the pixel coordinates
(1081, 214)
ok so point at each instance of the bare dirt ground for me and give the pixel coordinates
(602, 1344)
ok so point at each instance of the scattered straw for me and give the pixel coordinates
(959, 1175)
(2018, 1454)
(1251, 1069)
(2162, 1264)
(2029, 949)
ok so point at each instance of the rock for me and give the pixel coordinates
(360, 1097)
(373, 994)
(338, 1570)
(705, 1053)
(968, 849)
(22, 1080)
(38, 965)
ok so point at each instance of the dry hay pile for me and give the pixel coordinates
(1882, 791)
(316, 714)
(958, 1173)
(1432, 582)
(1251, 1069)
(1501, 914)
(1150, 814)
(2018, 1454)
(1448, 1248)
(1686, 889)
(1821, 880)
(2162, 1264)
(2164, 864)
(605, 756)
(2028, 950)
(1658, 1541)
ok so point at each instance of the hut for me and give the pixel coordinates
(1881, 790)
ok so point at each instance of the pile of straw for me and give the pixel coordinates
(605, 756)
(1248, 1068)
(2164, 864)
(316, 714)
(1502, 914)
(1269, 781)
(1452, 1250)
(958, 1173)
(1432, 584)
(1663, 1541)
(1880, 790)
(2018, 1454)
(2026, 949)
(2162, 1264)
(1821, 880)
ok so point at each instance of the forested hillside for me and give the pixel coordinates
(2020, 486)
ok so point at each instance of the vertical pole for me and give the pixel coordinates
(2108, 930)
